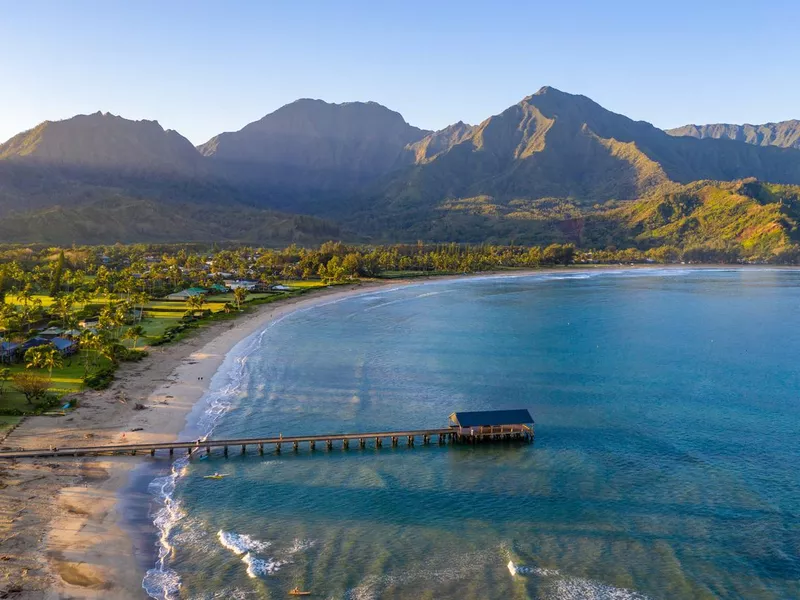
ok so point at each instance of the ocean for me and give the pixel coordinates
(665, 464)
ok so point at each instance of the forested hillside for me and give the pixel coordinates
(555, 167)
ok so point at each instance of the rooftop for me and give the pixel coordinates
(492, 417)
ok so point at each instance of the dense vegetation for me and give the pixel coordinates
(125, 219)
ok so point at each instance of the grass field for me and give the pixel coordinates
(65, 380)
(7, 422)
(303, 284)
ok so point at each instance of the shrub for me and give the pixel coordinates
(101, 379)
(130, 355)
(32, 385)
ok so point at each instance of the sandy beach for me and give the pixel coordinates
(62, 533)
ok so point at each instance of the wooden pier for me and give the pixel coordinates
(374, 439)
(465, 428)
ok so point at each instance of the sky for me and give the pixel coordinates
(205, 67)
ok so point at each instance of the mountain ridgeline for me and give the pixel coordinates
(785, 134)
(314, 144)
(553, 167)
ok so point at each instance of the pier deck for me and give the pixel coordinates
(373, 439)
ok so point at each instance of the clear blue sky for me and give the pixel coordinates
(205, 67)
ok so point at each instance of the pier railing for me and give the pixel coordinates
(375, 439)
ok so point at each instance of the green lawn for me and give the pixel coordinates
(7, 422)
(65, 380)
(46, 300)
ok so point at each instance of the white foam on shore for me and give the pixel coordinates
(257, 567)
(564, 587)
(373, 587)
(161, 582)
(246, 547)
(299, 545)
(577, 588)
(241, 543)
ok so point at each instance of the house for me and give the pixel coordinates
(64, 346)
(90, 323)
(234, 284)
(187, 293)
(281, 288)
(218, 288)
(9, 352)
(474, 426)
(51, 332)
(33, 343)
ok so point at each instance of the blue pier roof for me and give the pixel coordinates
(492, 417)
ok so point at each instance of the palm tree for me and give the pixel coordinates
(43, 357)
(196, 302)
(139, 299)
(9, 318)
(112, 317)
(52, 359)
(134, 333)
(28, 304)
(89, 342)
(5, 377)
(108, 349)
(63, 307)
(239, 295)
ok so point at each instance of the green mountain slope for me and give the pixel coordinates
(756, 218)
(785, 134)
(124, 219)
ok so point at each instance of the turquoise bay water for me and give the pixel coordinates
(665, 463)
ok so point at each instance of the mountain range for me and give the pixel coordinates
(785, 134)
(529, 173)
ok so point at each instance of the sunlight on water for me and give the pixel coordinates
(667, 420)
